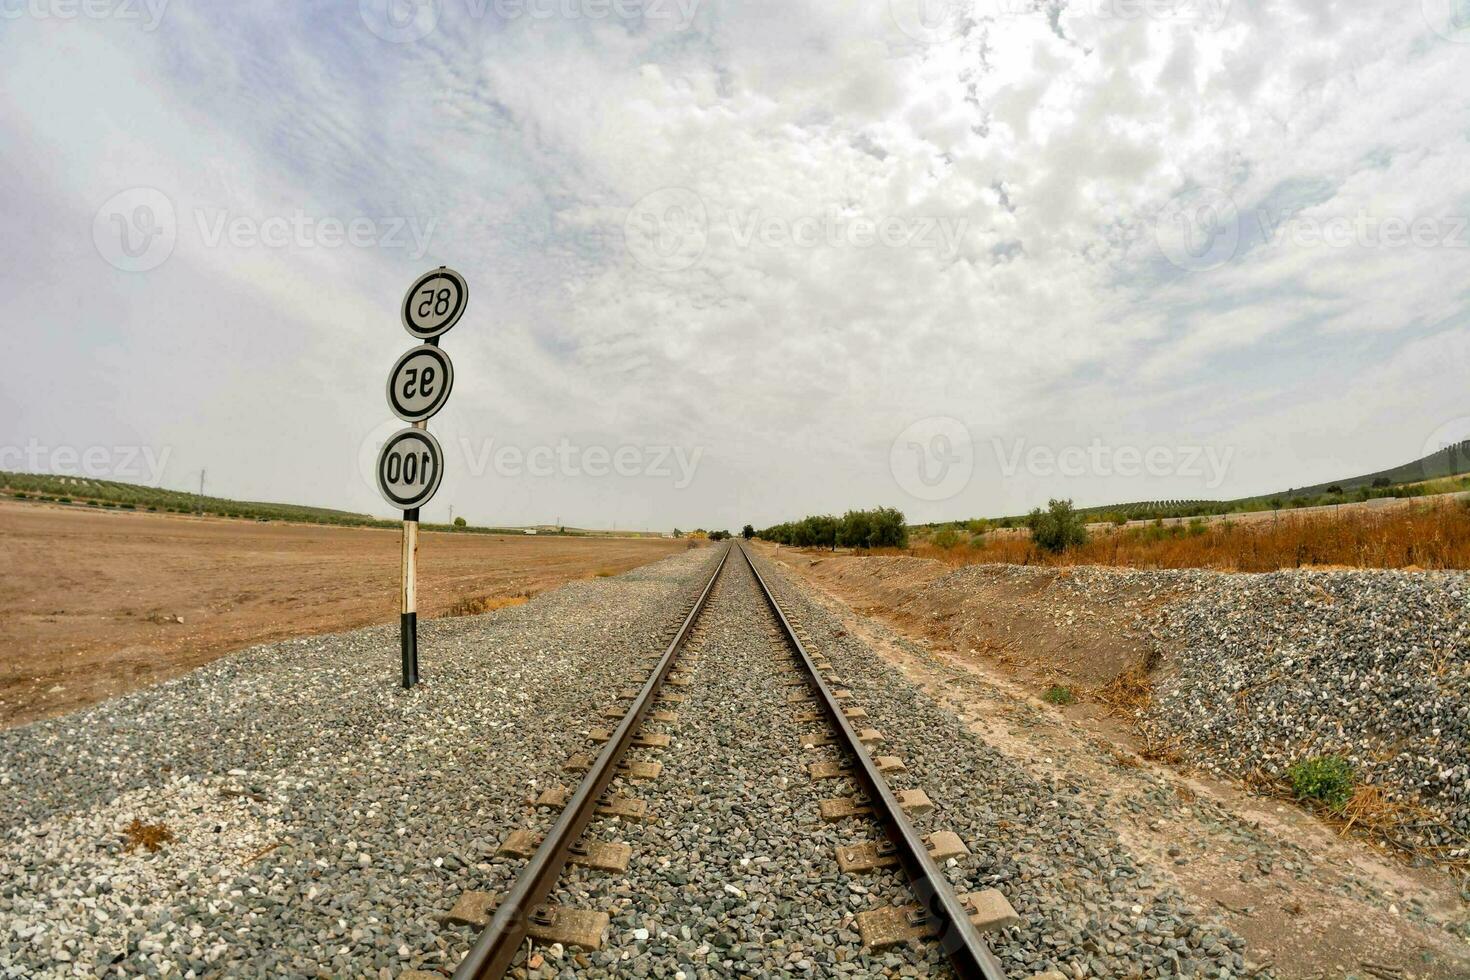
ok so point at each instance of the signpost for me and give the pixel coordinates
(411, 463)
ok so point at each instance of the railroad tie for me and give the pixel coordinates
(547, 924)
(874, 855)
(599, 855)
(989, 911)
(914, 801)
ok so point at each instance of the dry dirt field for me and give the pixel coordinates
(90, 601)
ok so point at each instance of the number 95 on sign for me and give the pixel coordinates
(410, 466)
(419, 384)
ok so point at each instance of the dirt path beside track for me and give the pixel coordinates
(91, 601)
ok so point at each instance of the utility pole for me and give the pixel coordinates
(201, 482)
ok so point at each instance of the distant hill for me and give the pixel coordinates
(1439, 472)
(112, 495)
(1449, 461)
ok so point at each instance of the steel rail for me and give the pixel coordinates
(503, 936)
(956, 934)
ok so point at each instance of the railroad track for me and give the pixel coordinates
(798, 688)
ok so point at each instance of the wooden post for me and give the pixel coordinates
(408, 620)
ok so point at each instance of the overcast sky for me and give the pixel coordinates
(738, 261)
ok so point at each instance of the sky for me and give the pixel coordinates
(737, 262)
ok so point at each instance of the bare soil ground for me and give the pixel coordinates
(1311, 903)
(90, 601)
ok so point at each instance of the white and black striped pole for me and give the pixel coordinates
(411, 464)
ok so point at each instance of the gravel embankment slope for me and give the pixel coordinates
(1257, 671)
(1264, 670)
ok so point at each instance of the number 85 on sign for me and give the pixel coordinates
(434, 303)
(410, 466)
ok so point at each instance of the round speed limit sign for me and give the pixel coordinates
(410, 466)
(418, 385)
(434, 303)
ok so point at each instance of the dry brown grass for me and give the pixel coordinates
(1370, 813)
(1433, 535)
(1127, 695)
(484, 604)
(150, 836)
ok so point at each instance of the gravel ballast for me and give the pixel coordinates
(323, 821)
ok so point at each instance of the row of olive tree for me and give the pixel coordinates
(882, 527)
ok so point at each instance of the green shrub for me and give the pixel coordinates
(1059, 695)
(1328, 779)
(1057, 528)
(946, 539)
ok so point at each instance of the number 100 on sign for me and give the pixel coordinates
(410, 467)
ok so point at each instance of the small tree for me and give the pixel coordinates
(1057, 528)
(461, 522)
(747, 532)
